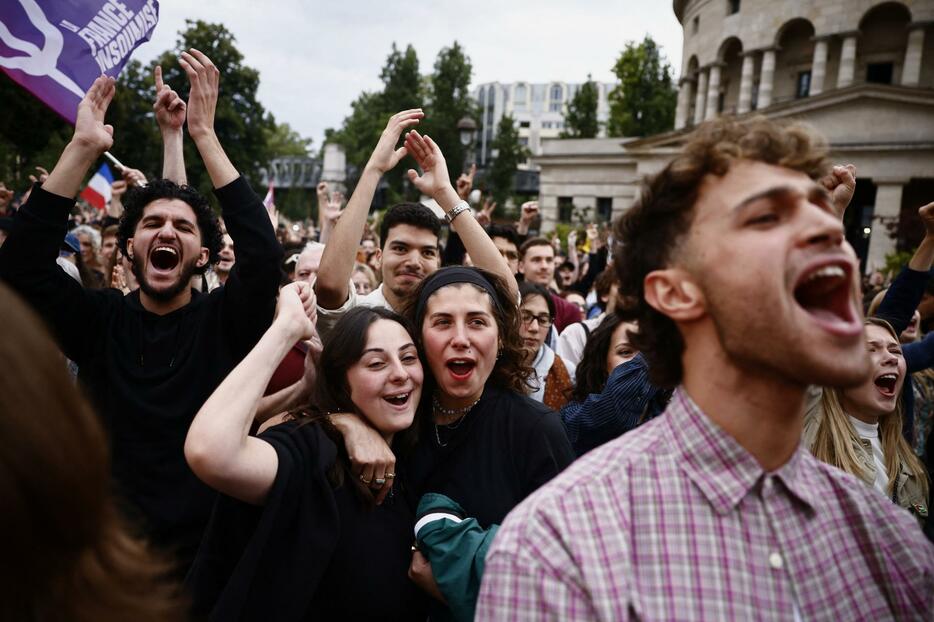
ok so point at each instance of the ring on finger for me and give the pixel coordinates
(390, 476)
(364, 479)
(379, 481)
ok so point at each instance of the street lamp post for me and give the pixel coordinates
(467, 128)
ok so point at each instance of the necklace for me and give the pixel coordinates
(461, 413)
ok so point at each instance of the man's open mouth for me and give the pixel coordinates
(164, 258)
(826, 294)
(461, 368)
(886, 384)
(398, 399)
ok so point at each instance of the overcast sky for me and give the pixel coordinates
(314, 58)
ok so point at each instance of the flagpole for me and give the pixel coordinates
(118, 164)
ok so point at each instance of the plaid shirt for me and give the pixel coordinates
(676, 521)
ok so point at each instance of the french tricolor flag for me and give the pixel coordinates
(98, 191)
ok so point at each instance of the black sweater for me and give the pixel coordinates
(147, 375)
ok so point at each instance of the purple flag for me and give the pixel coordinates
(56, 48)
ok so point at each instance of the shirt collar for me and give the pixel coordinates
(717, 464)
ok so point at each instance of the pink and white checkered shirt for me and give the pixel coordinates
(676, 521)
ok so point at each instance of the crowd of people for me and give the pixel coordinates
(684, 417)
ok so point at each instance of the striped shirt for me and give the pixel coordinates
(676, 521)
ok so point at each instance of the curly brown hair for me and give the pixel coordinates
(647, 234)
(511, 372)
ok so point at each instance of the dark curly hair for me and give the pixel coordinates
(591, 373)
(414, 214)
(647, 234)
(510, 372)
(138, 197)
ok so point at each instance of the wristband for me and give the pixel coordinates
(456, 210)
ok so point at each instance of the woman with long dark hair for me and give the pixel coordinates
(292, 508)
(67, 554)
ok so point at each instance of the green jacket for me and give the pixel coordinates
(456, 546)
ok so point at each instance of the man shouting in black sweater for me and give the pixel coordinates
(150, 359)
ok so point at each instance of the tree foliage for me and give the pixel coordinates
(581, 118)
(644, 101)
(449, 102)
(509, 154)
(31, 134)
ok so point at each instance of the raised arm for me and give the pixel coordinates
(28, 257)
(170, 116)
(841, 182)
(905, 293)
(435, 182)
(341, 251)
(90, 140)
(218, 447)
(202, 103)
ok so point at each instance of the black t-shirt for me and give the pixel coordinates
(505, 448)
(312, 551)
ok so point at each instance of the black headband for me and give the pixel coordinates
(450, 276)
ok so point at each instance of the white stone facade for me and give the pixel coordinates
(860, 71)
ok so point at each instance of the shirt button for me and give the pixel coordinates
(775, 560)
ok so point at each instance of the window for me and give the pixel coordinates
(520, 93)
(556, 92)
(695, 25)
(482, 97)
(524, 141)
(554, 107)
(523, 124)
(605, 208)
(880, 73)
(721, 101)
(804, 84)
(565, 208)
(732, 6)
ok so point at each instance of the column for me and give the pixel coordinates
(887, 209)
(713, 91)
(819, 66)
(766, 79)
(847, 60)
(911, 70)
(684, 102)
(701, 96)
(745, 83)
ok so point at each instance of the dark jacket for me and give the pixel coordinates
(147, 375)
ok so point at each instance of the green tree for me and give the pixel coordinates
(241, 122)
(449, 102)
(509, 154)
(282, 140)
(644, 101)
(581, 118)
(360, 131)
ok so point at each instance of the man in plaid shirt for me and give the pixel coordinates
(747, 294)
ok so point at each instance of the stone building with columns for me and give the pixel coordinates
(860, 71)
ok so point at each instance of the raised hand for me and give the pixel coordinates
(6, 196)
(202, 99)
(331, 206)
(529, 212)
(385, 156)
(169, 107)
(295, 310)
(464, 183)
(485, 216)
(572, 239)
(43, 175)
(90, 130)
(841, 182)
(926, 213)
(434, 179)
(118, 189)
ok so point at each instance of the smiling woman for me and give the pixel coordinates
(859, 429)
(295, 509)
